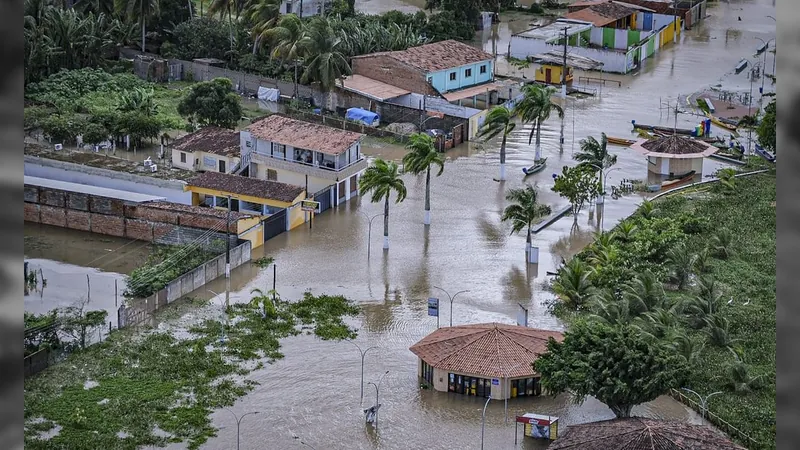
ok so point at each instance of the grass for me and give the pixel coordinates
(153, 388)
(747, 277)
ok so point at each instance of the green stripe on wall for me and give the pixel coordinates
(633, 37)
(608, 37)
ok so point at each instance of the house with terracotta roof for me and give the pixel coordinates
(275, 204)
(691, 11)
(486, 359)
(325, 161)
(207, 149)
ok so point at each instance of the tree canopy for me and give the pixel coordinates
(212, 103)
(766, 130)
(578, 185)
(614, 364)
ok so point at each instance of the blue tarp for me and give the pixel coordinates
(363, 116)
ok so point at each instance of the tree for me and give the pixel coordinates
(202, 37)
(578, 185)
(264, 14)
(614, 364)
(523, 212)
(422, 156)
(139, 10)
(95, 133)
(535, 107)
(381, 179)
(212, 103)
(325, 61)
(287, 39)
(78, 323)
(595, 154)
(444, 25)
(572, 284)
(499, 120)
(766, 131)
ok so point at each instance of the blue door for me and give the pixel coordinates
(648, 21)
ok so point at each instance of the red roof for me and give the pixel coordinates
(488, 349)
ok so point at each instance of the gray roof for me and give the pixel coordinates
(91, 190)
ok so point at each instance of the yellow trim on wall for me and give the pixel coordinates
(247, 198)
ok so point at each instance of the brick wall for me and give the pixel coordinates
(391, 71)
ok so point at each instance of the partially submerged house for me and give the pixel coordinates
(690, 11)
(614, 33)
(207, 149)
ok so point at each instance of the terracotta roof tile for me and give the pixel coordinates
(601, 14)
(219, 141)
(488, 349)
(199, 210)
(237, 184)
(637, 433)
(306, 135)
(438, 55)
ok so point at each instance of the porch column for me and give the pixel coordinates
(331, 194)
(347, 189)
(288, 218)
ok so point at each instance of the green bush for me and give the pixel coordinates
(165, 264)
(202, 37)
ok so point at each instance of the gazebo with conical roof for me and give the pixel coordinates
(637, 433)
(674, 154)
(483, 359)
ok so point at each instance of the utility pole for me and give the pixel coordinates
(228, 256)
(564, 68)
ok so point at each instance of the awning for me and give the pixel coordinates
(373, 89)
(472, 91)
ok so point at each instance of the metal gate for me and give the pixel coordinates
(324, 199)
(274, 225)
(175, 72)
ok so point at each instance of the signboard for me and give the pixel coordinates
(495, 382)
(539, 426)
(433, 306)
(309, 205)
(209, 162)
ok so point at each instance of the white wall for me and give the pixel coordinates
(522, 47)
(411, 100)
(621, 39)
(614, 62)
(659, 20)
(596, 36)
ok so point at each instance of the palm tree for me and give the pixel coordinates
(648, 210)
(264, 302)
(721, 243)
(644, 293)
(535, 107)
(682, 263)
(523, 212)
(141, 10)
(610, 310)
(326, 62)
(739, 379)
(499, 120)
(264, 14)
(595, 154)
(572, 284)
(381, 179)
(287, 39)
(418, 160)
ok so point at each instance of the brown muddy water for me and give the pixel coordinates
(314, 391)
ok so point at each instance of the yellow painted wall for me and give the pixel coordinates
(247, 198)
(246, 224)
(555, 74)
(474, 123)
(633, 22)
(255, 236)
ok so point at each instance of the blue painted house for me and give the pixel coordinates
(436, 69)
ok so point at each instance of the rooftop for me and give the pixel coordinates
(438, 55)
(602, 13)
(630, 4)
(637, 433)
(305, 135)
(373, 89)
(555, 57)
(199, 210)
(253, 187)
(125, 196)
(219, 141)
(555, 30)
(674, 146)
(488, 349)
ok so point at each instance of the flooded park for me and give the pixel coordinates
(311, 397)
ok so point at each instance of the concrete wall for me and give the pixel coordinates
(206, 273)
(203, 161)
(172, 190)
(391, 71)
(614, 62)
(441, 80)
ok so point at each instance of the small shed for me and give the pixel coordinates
(368, 118)
(673, 154)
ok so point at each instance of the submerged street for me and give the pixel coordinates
(312, 395)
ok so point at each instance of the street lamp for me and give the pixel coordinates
(224, 312)
(451, 301)
(377, 393)
(505, 407)
(483, 419)
(766, 49)
(363, 353)
(703, 401)
(369, 233)
(749, 109)
(239, 422)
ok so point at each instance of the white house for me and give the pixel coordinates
(305, 154)
(305, 8)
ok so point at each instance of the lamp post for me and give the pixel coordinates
(703, 401)
(377, 394)
(363, 353)
(505, 407)
(451, 301)
(369, 232)
(239, 422)
(749, 109)
(483, 419)
(224, 312)
(766, 49)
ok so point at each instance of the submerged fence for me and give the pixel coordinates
(729, 429)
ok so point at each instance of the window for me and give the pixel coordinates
(483, 68)
(183, 157)
(525, 387)
(430, 80)
(288, 7)
(452, 76)
(222, 202)
(478, 387)
(468, 73)
(272, 175)
(222, 166)
(427, 373)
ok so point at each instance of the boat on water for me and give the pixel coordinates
(722, 124)
(764, 154)
(620, 141)
(655, 128)
(537, 167)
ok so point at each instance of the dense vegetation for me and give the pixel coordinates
(155, 381)
(165, 264)
(695, 274)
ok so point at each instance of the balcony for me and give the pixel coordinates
(324, 168)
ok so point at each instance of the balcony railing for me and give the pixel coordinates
(324, 165)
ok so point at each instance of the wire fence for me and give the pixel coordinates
(729, 429)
